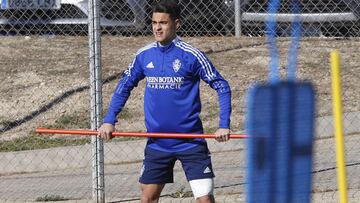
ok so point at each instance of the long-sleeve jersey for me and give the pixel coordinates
(172, 95)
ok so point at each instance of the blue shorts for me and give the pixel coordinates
(158, 165)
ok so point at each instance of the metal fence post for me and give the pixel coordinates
(96, 101)
(237, 18)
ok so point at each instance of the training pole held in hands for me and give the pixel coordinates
(132, 134)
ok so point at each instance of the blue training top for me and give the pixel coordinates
(172, 94)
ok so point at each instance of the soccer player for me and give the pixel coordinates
(172, 69)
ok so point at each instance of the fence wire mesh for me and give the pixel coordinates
(338, 18)
(45, 83)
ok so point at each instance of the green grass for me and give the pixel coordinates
(34, 142)
(40, 142)
(77, 120)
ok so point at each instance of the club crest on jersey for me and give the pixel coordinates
(176, 65)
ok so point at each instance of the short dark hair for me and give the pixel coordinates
(171, 7)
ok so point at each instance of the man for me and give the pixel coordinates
(173, 70)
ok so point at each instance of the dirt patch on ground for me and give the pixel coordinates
(47, 77)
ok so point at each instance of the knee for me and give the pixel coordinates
(205, 199)
(149, 198)
(202, 188)
(150, 192)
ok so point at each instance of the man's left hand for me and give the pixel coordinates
(222, 135)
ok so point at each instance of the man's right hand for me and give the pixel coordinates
(106, 130)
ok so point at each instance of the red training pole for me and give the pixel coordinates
(133, 134)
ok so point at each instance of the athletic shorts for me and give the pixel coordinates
(158, 165)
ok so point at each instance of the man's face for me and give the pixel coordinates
(164, 28)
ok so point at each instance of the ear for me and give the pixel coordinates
(177, 23)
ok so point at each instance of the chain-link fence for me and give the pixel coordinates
(45, 83)
(338, 18)
(320, 18)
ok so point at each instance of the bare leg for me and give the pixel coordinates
(206, 199)
(150, 193)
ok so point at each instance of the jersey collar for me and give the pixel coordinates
(167, 47)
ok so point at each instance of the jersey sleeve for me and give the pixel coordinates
(130, 79)
(208, 73)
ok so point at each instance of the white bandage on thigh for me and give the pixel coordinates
(202, 187)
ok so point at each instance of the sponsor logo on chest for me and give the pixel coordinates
(164, 82)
